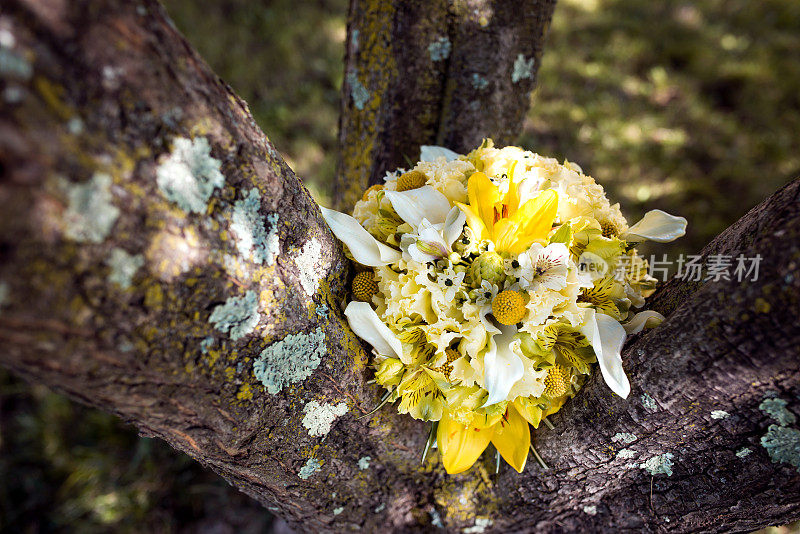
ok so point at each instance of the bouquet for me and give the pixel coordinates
(489, 284)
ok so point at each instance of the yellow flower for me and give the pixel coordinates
(502, 219)
(460, 445)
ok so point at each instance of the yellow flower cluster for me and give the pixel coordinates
(490, 283)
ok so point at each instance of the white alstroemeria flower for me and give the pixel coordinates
(656, 225)
(607, 336)
(644, 318)
(433, 152)
(450, 281)
(365, 249)
(548, 267)
(436, 224)
(369, 327)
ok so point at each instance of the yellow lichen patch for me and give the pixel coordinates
(411, 180)
(53, 96)
(464, 497)
(508, 307)
(174, 251)
(245, 393)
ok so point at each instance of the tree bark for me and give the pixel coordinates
(105, 88)
(445, 72)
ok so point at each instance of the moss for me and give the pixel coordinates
(290, 360)
(90, 214)
(239, 315)
(319, 417)
(190, 174)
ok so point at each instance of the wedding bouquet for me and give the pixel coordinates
(488, 285)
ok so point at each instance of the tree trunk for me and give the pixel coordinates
(445, 72)
(141, 274)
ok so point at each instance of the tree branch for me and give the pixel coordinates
(102, 143)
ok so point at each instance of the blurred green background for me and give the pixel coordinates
(692, 107)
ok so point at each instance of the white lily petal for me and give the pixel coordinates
(432, 152)
(637, 324)
(422, 203)
(657, 225)
(365, 249)
(454, 225)
(607, 337)
(502, 367)
(369, 327)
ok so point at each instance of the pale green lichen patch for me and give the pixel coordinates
(776, 408)
(320, 416)
(123, 266)
(590, 509)
(744, 452)
(658, 465)
(311, 467)
(626, 454)
(481, 524)
(479, 82)
(649, 403)
(623, 437)
(238, 316)
(439, 50)
(339, 510)
(363, 462)
(436, 519)
(783, 445)
(290, 360)
(90, 214)
(523, 68)
(206, 343)
(252, 239)
(14, 65)
(719, 414)
(380, 508)
(190, 174)
(358, 92)
(308, 266)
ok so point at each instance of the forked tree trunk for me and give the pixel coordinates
(130, 291)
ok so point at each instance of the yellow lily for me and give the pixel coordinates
(461, 445)
(511, 226)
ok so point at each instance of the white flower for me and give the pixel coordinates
(517, 267)
(607, 336)
(547, 267)
(450, 281)
(365, 249)
(485, 294)
(369, 327)
(656, 225)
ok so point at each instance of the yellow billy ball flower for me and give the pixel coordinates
(411, 180)
(508, 307)
(556, 382)
(376, 187)
(364, 286)
(609, 229)
(447, 367)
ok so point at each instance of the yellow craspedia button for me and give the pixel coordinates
(508, 307)
(556, 382)
(376, 187)
(447, 367)
(411, 180)
(364, 286)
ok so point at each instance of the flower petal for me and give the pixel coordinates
(422, 203)
(460, 445)
(607, 337)
(454, 225)
(656, 225)
(432, 152)
(482, 195)
(512, 438)
(369, 327)
(365, 249)
(637, 324)
(502, 367)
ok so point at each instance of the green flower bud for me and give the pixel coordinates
(389, 372)
(488, 266)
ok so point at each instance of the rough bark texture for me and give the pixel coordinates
(446, 72)
(107, 87)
